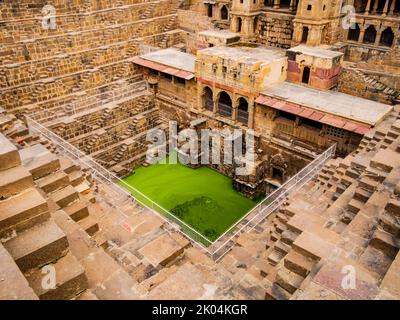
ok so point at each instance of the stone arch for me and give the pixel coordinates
(224, 13)
(225, 108)
(243, 110)
(387, 37)
(208, 99)
(370, 35)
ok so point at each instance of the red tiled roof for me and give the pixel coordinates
(163, 68)
(325, 118)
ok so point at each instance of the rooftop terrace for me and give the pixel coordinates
(332, 102)
(246, 54)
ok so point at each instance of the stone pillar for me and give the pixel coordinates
(277, 4)
(346, 34)
(396, 36)
(392, 7)
(368, 7)
(374, 10)
(251, 114)
(385, 9)
(292, 5)
(362, 33)
(234, 112)
(378, 36)
(246, 27)
(215, 105)
(234, 23)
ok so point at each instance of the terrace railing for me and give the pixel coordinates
(266, 207)
(122, 192)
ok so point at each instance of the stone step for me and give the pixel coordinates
(87, 295)
(355, 206)
(298, 263)
(385, 160)
(352, 173)
(288, 280)
(9, 156)
(362, 195)
(39, 161)
(76, 178)
(275, 257)
(53, 182)
(77, 211)
(288, 236)
(38, 246)
(385, 242)
(89, 224)
(83, 188)
(16, 211)
(276, 292)
(13, 284)
(368, 183)
(282, 247)
(163, 249)
(393, 207)
(69, 276)
(312, 246)
(90, 197)
(14, 181)
(68, 166)
(65, 196)
(389, 223)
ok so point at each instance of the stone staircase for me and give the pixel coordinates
(378, 87)
(30, 237)
(347, 216)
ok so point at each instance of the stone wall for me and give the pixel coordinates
(275, 30)
(356, 83)
(89, 48)
(194, 21)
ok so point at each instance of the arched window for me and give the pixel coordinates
(225, 105)
(224, 13)
(354, 34)
(208, 102)
(243, 111)
(306, 75)
(304, 36)
(370, 35)
(387, 37)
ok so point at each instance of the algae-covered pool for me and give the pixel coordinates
(202, 198)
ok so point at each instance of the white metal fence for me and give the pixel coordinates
(121, 192)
